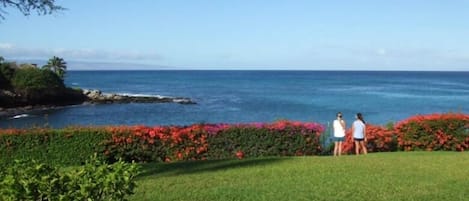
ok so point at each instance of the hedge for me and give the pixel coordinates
(69, 146)
(449, 132)
(72, 146)
(432, 132)
(213, 141)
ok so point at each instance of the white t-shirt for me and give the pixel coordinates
(339, 131)
(359, 129)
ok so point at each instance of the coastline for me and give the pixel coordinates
(92, 97)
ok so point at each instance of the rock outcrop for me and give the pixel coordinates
(13, 104)
(96, 96)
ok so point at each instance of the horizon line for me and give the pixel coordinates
(317, 70)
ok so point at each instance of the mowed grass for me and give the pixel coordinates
(379, 176)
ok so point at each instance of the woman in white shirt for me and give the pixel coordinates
(339, 134)
(359, 134)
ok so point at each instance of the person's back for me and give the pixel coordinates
(339, 130)
(359, 134)
(359, 128)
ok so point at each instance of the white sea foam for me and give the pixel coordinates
(142, 95)
(418, 96)
(20, 116)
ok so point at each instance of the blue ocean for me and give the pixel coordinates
(258, 96)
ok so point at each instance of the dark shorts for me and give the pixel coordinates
(358, 139)
(338, 139)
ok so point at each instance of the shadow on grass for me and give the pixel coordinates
(191, 167)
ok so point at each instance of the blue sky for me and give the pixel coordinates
(249, 34)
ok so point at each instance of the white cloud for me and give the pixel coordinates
(5, 46)
(11, 51)
(381, 51)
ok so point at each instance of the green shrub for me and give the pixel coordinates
(34, 83)
(6, 75)
(31, 180)
(69, 146)
(255, 142)
(213, 141)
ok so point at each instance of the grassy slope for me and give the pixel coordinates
(379, 176)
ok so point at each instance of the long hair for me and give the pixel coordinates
(360, 116)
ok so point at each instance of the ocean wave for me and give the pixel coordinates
(143, 95)
(19, 116)
(418, 96)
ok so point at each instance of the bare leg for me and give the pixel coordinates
(336, 148)
(362, 144)
(340, 148)
(357, 148)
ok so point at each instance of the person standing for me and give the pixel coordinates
(339, 134)
(359, 134)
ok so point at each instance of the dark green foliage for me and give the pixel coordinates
(4, 83)
(71, 146)
(6, 74)
(36, 86)
(255, 142)
(57, 65)
(29, 80)
(32, 180)
(28, 85)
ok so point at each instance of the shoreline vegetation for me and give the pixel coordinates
(26, 87)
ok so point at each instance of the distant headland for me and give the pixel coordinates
(27, 87)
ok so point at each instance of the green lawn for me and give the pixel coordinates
(380, 176)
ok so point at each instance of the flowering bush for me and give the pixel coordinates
(140, 143)
(434, 132)
(214, 141)
(282, 138)
(71, 146)
(379, 139)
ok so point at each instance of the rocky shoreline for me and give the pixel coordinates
(96, 97)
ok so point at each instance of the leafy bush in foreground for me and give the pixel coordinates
(93, 181)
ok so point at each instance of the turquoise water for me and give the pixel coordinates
(259, 96)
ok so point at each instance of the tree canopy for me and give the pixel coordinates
(42, 7)
(57, 65)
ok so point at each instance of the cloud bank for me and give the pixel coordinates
(9, 50)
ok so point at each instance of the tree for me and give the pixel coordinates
(57, 65)
(42, 7)
(35, 84)
(6, 73)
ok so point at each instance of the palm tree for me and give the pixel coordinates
(57, 65)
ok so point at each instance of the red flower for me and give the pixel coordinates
(240, 154)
